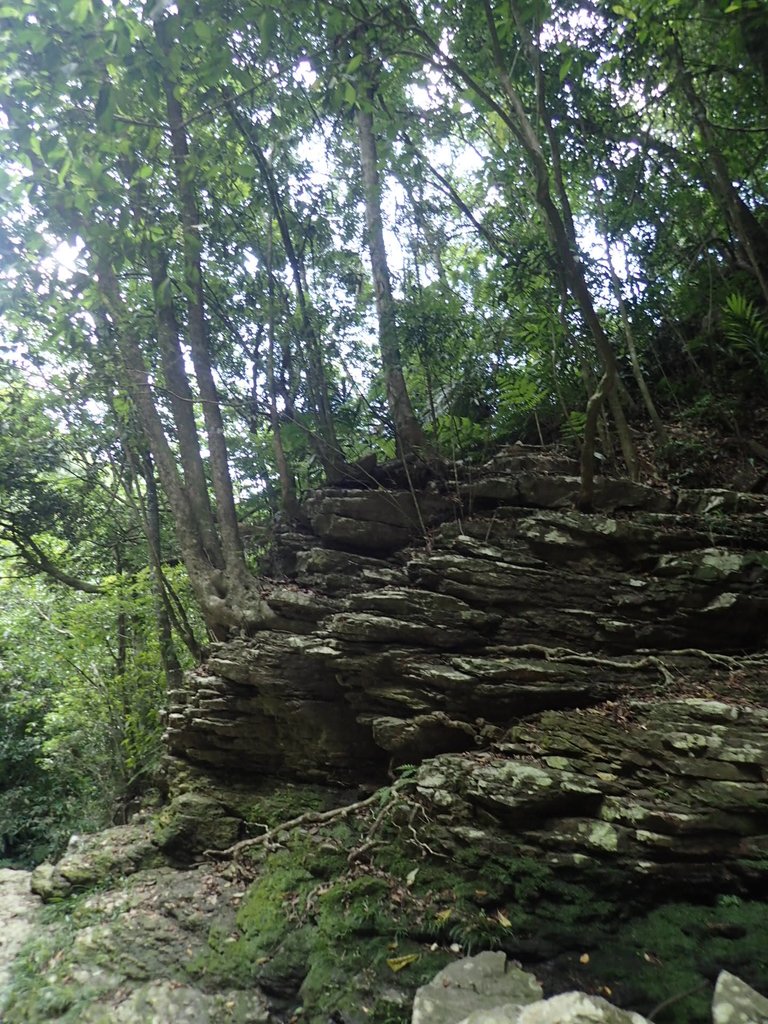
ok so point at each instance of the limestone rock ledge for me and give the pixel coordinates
(414, 624)
(667, 799)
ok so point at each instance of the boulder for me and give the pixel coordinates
(734, 1002)
(481, 982)
(92, 860)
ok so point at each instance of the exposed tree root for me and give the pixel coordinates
(318, 818)
(649, 659)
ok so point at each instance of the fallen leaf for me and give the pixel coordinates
(442, 915)
(503, 920)
(651, 958)
(584, 958)
(410, 878)
(397, 963)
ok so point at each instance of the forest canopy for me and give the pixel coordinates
(246, 246)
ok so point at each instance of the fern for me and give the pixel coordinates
(573, 428)
(746, 329)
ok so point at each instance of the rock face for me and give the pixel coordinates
(667, 802)
(126, 954)
(737, 1003)
(612, 661)
(409, 626)
(472, 985)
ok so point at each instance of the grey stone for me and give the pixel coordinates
(577, 1008)
(414, 739)
(734, 1002)
(474, 983)
(47, 883)
(509, 1013)
(163, 1002)
(94, 859)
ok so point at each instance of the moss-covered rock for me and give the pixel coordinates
(93, 860)
(194, 822)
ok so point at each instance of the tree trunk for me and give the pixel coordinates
(288, 501)
(565, 250)
(410, 436)
(197, 326)
(181, 401)
(168, 656)
(325, 442)
(205, 580)
(740, 218)
(637, 370)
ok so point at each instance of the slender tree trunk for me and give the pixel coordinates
(206, 581)
(568, 255)
(121, 626)
(741, 219)
(146, 508)
(410, 435)
(197, 326)
(288, 501)
(637, 370)
(326, 442)
(181, 401)
(170, 660)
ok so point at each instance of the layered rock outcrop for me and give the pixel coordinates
(584, 693)
(409, 624)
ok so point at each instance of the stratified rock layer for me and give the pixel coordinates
(590, 683)
(415, 624)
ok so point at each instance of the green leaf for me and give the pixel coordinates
(355, 63)
(350, 94)
(81, 11)
(64, 170)
(203, 31)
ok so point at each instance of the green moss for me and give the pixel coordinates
(319, 933)
(351, 979)
(271, 910)
(277, 804)
(681, 947)
(311, 929)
